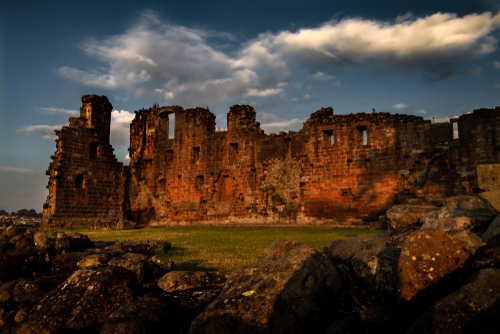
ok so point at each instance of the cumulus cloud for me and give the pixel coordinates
(46, 131)
(182, 65)
(421, 111)
(126, 160)
(399, 106)
(55, 111)
(120, 127)
(19, 170)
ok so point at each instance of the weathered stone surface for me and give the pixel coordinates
(474, 206)
(66, 264)
(488, 177)
(377, 267)
(280, 295)
(97, 259)
(469, 240)
(474, 308)
(135, 256)
(449, 218)
(162, 262)
(78, 303)
(183, 280)
(492, 231)
(136, 266)
(402, 215)
(143, 316)
(145, 247)
(45, 240)
(457, 200)
(341, 250)
(492, 200)
(11, 231)
(21, 243)
(426, 257)
(79, 242)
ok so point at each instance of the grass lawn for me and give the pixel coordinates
(223, 249)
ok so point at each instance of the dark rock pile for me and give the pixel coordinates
(437, 270)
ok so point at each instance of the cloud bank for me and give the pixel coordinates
(181, 65)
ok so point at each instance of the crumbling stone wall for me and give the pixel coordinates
(86, 182)
(323, 174)
(335, 170)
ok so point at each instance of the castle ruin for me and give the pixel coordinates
(338, 170)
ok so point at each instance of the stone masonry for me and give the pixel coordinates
(338, 170)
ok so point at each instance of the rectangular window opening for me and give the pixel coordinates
(455, 130)
(329, 135)
(233, 150)
(80, 182)
(199, 181)
(195, 154)
(171, 126)
(93, 150)
(170, 156)
(362, 128)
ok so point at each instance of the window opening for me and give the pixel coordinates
(329, 133)
(171, 126)
(199, 181)
(170, 156)
(79, 184)
(362, 128)
(195, 154)
(233, 150)
(93, 150)
(455, 130)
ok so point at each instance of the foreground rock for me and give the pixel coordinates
(492, 200)
(450, 218)
(145, 247)
(79, 302)
(288, 292)
(183, 280)
(402, 215)
(143, 316)
(341, 250)
(493, 231)
(474, 308)
(426, 257)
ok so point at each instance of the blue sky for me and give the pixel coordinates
(285, 58)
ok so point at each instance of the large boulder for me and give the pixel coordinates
(134, 265)
(83, 302)
(66, 264)
(402, 215)
(470, 241)
(493, 231)
(96, 259)
(492, 200)
(457, 200)
(426, 257)
(450, 218)
(145, 247)
(377, 267)
(79, 242)
(162, 262)
(488, 177)
(291, 291)
(143, 316)
(342, 250)
(183, 280)
(473, 308)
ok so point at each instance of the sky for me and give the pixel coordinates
(286, 58)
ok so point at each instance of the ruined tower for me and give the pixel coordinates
(86, 182)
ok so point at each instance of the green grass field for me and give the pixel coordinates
(224, 249)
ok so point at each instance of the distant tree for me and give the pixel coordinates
(40, 215)
(13, 213)
(23, 212)
(32, 213)
(3, 212)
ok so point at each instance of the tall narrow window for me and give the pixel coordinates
(93, 150)
(79, 181)
(195, 154)
(362, 129)
(171, 126)
(170, 156)
(455, 130)
(199, 181)
(233, 150)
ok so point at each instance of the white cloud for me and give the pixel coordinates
(283, 125)
(46, 131)
(126, 160)
(266, 117)
(399, 106)
(305, 99)
(184, 66)
(120, 127)
(497, 64)
(266, 92)
(53, 111)
(19, 170)
(421, 111)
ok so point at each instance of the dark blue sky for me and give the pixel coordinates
(286, 58)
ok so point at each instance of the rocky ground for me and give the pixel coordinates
(435, 270)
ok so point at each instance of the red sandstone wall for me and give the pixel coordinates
(245, 176)
(86, 182)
